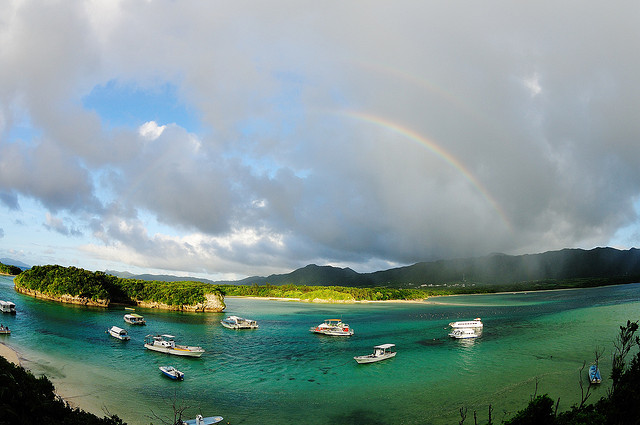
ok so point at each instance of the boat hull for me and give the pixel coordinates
(172, 373)
(373, 359)
(185, 352)
(237, 326)
(204, 421)
(120, 337)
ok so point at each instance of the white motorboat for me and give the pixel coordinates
(235, 322)
(119, 333)
(134, 319)
(199, 420)
(463, 333)
(333, 327)
(380, 352)
(166, 344)
(172, 372)
(475, 323)
(7, 307)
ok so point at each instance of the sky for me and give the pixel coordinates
(226, 139)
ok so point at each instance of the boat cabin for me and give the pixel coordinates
(7, 307)
(379, 350)
(134, 319)
(160, 340)
(119, 333)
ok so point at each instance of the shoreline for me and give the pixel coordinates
(9, 354)
(250, 297)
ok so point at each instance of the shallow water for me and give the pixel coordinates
(283, 374)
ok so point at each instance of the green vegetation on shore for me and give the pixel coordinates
(57, 281)
(347, 293)
(8, 269)
(328, 293)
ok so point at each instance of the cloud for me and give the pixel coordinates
(57, 225)
(525, 130)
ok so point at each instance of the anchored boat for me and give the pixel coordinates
(172, 372)
(199, 420)
(4, 330)
(235, 322)
(380, 352)
(7, 307)
(333, 327)
(134, 319)
(119, 333)
(166, 344)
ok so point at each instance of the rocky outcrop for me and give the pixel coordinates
(214, 304)
(66, 298)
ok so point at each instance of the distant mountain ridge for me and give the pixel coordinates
(494, 269)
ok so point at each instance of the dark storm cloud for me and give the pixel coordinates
(489, 127)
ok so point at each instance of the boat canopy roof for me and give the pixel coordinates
(385, 346)
(137, 316)
(168, 336)
(117, 329)
(9, 303)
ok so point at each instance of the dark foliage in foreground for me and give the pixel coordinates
(621, 405)
(25, 399)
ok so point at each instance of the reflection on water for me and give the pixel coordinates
(283, 374)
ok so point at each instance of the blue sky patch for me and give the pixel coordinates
(129, 105)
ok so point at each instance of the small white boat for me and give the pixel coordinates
(172, 372)
(4, 330)
(380, 352)
(119, 333)
(199, 420)
(235, 322)
(7, 307)
(134, 319)
(333, 327)
(475, 323)
(463, 333)
(166, 344)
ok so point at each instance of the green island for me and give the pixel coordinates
(24, 397)
(9, 270)
(79, 286)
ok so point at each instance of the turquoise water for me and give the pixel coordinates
(283, 374)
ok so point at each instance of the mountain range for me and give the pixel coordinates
(494, 269)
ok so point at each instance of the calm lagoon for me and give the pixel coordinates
(283, 374)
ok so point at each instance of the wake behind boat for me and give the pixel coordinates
(332, 327)
(235, 322)
(199, 420)
(166, 344)
(119, 333)
(172, 372)
(380, 352)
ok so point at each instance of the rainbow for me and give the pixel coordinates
(436, 149)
